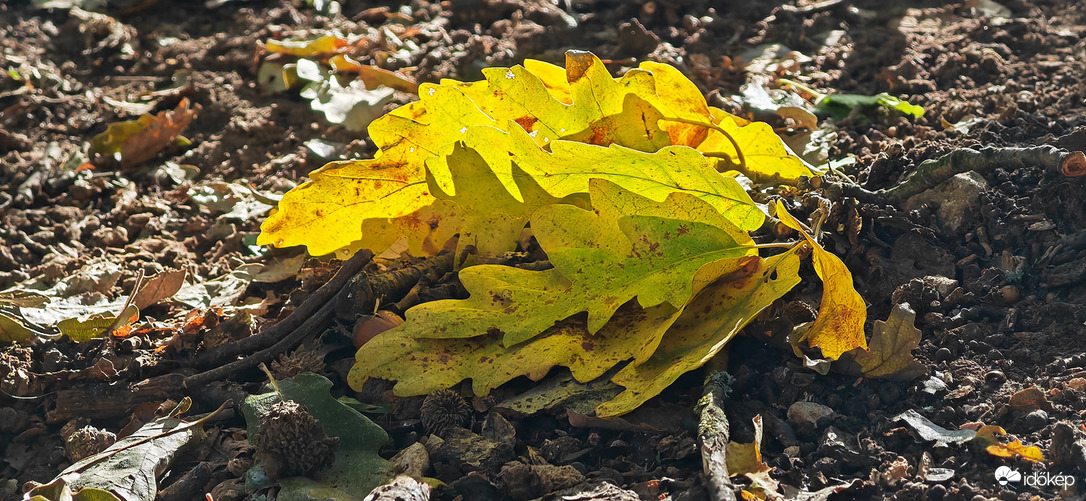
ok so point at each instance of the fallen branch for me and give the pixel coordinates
(931, 173)
(304, 322)
(364, 292)
(272, 335)
(713, 434)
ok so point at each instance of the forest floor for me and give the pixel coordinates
(995, 266)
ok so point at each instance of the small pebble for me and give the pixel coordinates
(1035, 420)
(937, 492)
(889, 393)
(808, 412)
(943, 354)
(995, 377)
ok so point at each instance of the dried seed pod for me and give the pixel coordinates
(290, 442)
(87, 441)
(301, 360)
(444, 409)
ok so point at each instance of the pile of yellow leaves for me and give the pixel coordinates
(628, 186)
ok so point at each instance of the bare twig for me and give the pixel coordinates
(270, 336)
(310, 327)
(930, 173)
(713, 433)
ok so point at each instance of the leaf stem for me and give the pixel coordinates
(773, 245)
(818, 96)
(742, 167)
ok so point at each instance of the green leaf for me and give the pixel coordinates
(357, 468)
(840, 105)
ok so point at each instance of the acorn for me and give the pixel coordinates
(369, 326)
(444, 409)
(290, 442)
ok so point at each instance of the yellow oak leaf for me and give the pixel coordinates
(567, 168)
(604, 110)
(328, 212)
(839, 326)
(342, 200)
(491, 218)
(602, 258)
(553, 78)
(757, 152)
(746, 458)
(422, 364)
(712, 319)
(626, 248)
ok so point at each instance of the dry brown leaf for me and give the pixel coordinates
(1029, 399)
(890, 350)
(743, 459)
(138, 141)
(160, 287)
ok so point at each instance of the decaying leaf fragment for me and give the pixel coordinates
(134, 142)
(328, 44)
(987, 435)
(746, 458)
(127, 470)
(889, 353)
(840, 323)
(1017, 448)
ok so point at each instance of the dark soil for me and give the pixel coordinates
(1000, 295)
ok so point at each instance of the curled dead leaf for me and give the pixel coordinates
(841, 316)
(889, 355)
(133, 142)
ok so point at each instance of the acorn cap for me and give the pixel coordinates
(290, 442)
(443, 409)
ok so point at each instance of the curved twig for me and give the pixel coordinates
(931, 173)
